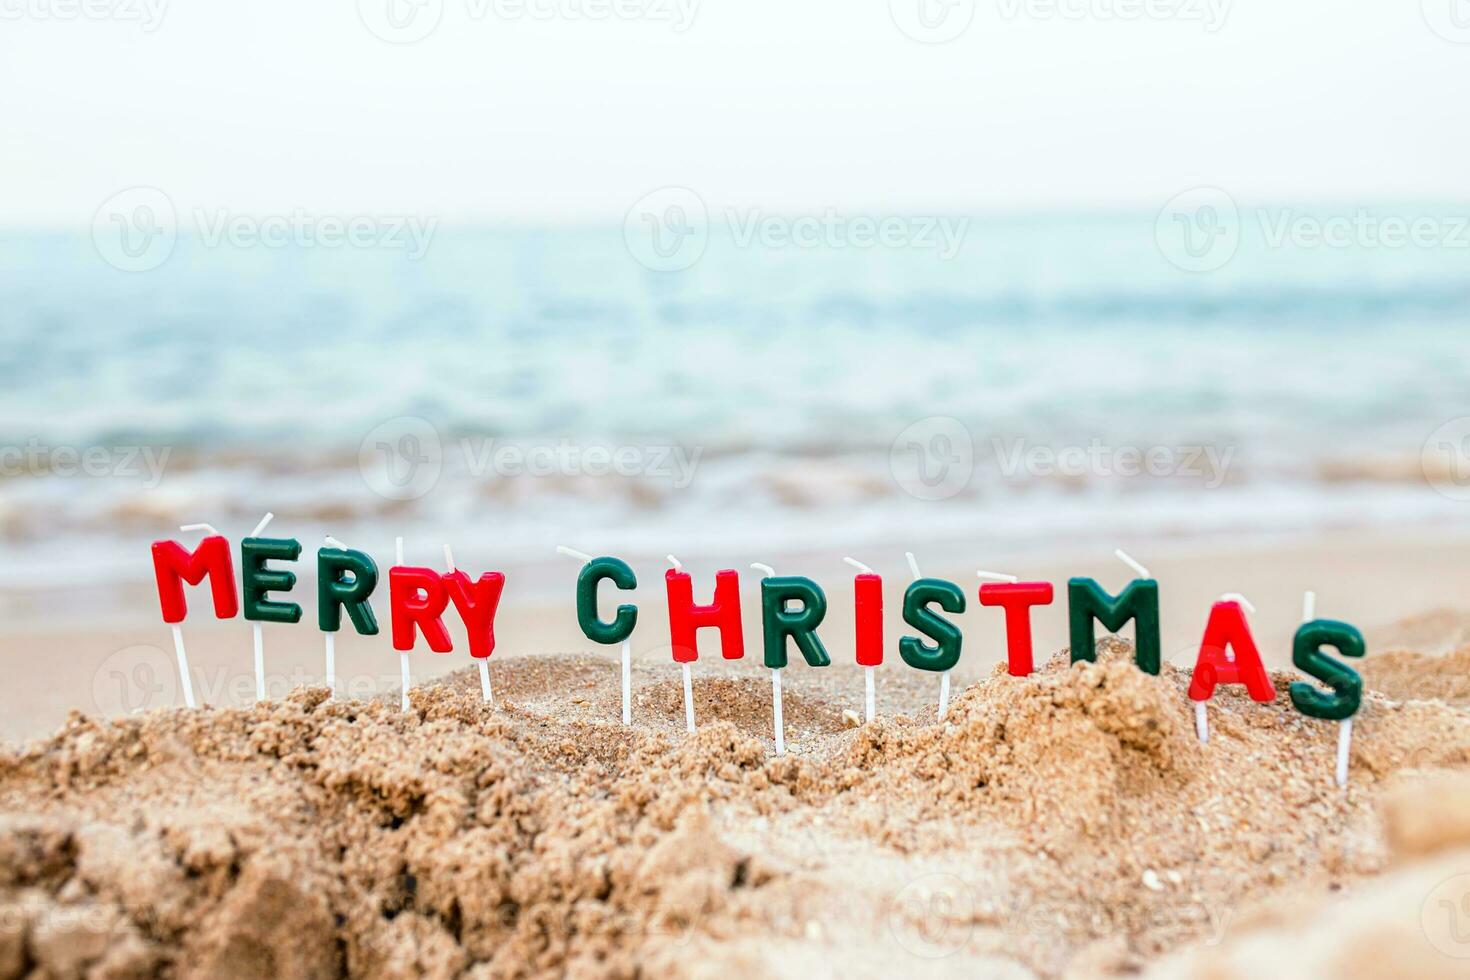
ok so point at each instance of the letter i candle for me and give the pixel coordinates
(868, 629)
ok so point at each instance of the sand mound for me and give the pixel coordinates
(1435, 632)
(1406, 676)
(1069, 822)
(1412, 923)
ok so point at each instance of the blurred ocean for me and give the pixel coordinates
(1058, 381)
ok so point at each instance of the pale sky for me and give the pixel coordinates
(780, 104)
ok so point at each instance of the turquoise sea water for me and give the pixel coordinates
(766, 397)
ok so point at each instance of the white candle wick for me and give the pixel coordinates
(1309, 606)
(860, 566)
(333, 542)
(186, 528)
(997, 576)
(1128, 560)
(678, 565)
(581, 556)
(767, 570)
(398, 550)
(1237, 597)
(913, 564)
(449, 558)
(261, 526)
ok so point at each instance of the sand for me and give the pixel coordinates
(1068, 824)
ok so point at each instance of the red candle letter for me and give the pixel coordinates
(868, 590)
(417, 597)
(477, 602)
(723, 614)
(1227, 628)
(173, 565)
(1017, 598)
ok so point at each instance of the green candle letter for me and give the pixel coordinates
(624, 619)
(800, 624)
(1309, 657)
(256, 579)
(345, 579)
(1139, 602)
(944, 653)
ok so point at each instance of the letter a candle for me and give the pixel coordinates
(173, 565)
(1227, 655)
